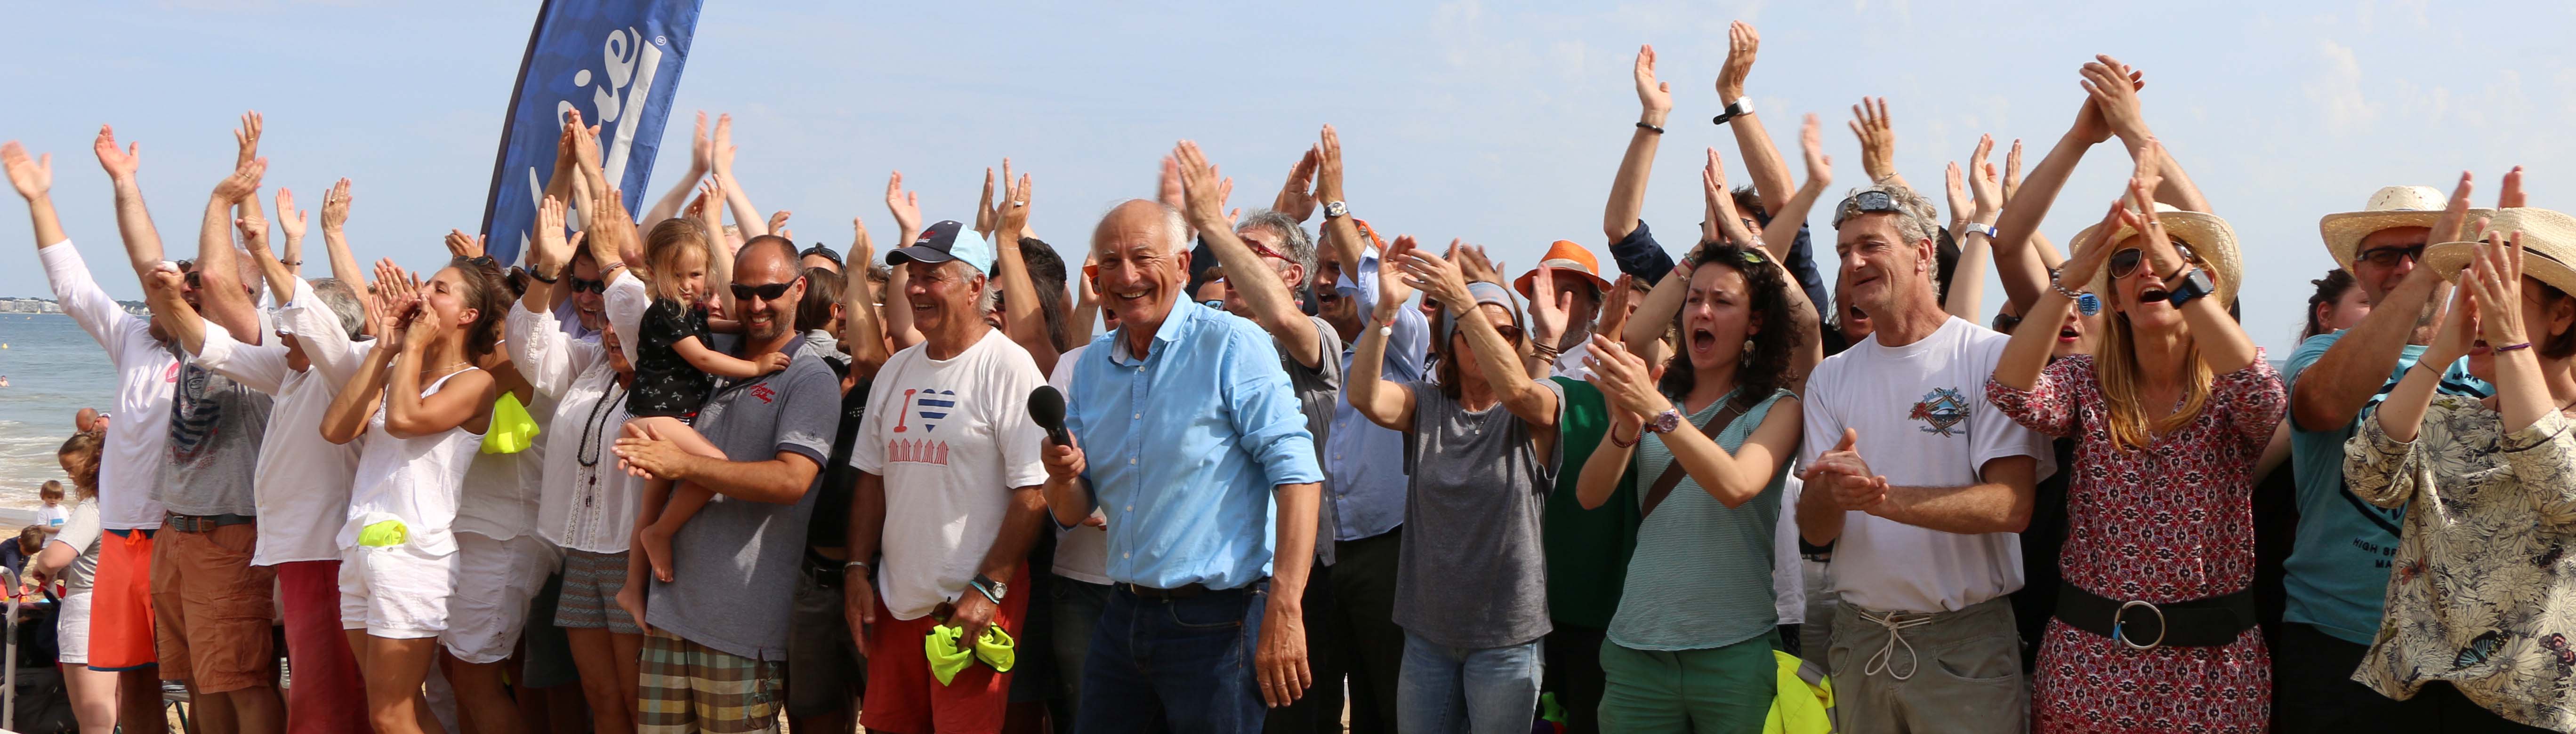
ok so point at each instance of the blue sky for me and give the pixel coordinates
(1497, 122)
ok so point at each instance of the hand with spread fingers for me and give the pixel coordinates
(1741, 45)
(2494, 283)
(1877, 133)
(460, 244)
(1297, 195)
(120, 164)
(289, 220)
(1437, 278)
(1656, 97)
(32, 177)
(335, 207)
(906, 206)
(246, 138)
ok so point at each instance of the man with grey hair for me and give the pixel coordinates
(1208, 478)
(1267, 259)
(301, 482)
(946, 503)
(1924, 555)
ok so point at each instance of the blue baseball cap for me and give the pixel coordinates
(942, 242)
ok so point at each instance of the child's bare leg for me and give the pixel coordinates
(675, 504)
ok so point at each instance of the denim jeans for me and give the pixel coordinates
(1180, 665)
(1451, 690)
(1077, 610)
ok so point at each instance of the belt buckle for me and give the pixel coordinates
(2161, 628)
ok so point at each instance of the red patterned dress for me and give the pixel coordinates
(2171, 522)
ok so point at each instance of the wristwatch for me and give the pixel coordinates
(1738, 108)
(1336, 209)
(1669, 421)
(2194, 285)
(993, 590)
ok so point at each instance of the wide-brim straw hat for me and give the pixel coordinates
(2208, 236)
(2548, 247)
(2392, 206)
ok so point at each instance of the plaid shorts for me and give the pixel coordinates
(590, 585)
(688, 687)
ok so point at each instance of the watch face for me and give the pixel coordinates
(1668, 421)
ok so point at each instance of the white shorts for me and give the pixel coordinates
(495, 580)
(395, 592)
(71, 630)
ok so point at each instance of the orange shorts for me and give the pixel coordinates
(120, 618)
(902, 695)
(213, 612)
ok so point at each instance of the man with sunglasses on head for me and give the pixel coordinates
(714, 657)
(2336, 578)
(1925, 552)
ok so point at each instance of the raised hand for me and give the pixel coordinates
(585, 143)
(254, 229)
(1741, 44)
(243, 182)
(1473, 263)
(120, 164)
(1328, 167)
(1984, 183)
(2497, 289)
(862, 255)
(460, 244)
(1014, 209)
(1392, 290)
(2511, 196)
(246, 138)
(778, 223)
(1955, 187)
(2092, 126)
(1811, 140)
(702, 151)
(1438, 278)
(1877, 134)
(2114, 88)
(549, 251)
(1297, 195)
(2012, 170)
(1549, 308)
(1203, 202)
(1624, 379)
(335, 207)
(985, 215)
(2460, 323)
(720, 156)
(1614, 305)
(906, 205)
(288, 219)
(2078, 270)
(33, 177)
(1168, 188)
(1656, 97)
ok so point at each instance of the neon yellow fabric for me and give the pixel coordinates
(1800, 707)
(383, 534)
(513, 430)
(946, 661)
(995, 649)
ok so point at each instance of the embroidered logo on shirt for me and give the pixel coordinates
(764, 392)
(1943, 411)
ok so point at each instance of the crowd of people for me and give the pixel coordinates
(710, 478)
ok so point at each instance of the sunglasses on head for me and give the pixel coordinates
(770, 292)
(2125, 262)
(820, 249)
(1262, 249)
(2388, 257)
(585, 286)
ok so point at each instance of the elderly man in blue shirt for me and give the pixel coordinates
(1206, 472)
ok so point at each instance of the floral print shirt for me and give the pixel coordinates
(2483, 594)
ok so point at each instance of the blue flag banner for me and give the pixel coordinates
(618, 63)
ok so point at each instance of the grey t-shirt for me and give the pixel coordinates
(1472, 573)
(215, 429)
(1318, 389)
(735, 560)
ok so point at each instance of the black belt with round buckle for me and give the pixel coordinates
(2142, 625)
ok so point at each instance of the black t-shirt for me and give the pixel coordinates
(831, 524)
(666, 384)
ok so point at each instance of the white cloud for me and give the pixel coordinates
(2338, 90)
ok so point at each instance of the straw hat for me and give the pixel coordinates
(2548, 247)
(1566, 258)
(2208, 236)
(2393, 206)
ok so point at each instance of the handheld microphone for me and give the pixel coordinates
(1046, 406)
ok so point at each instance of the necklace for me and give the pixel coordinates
(589, 451)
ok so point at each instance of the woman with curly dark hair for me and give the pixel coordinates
(1708, 450)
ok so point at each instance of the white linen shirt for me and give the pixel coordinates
(302, 484)
(147, 374)
(589, 508)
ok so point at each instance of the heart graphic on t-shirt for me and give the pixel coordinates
(932, 408)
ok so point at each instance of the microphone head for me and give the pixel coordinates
(1047, 408)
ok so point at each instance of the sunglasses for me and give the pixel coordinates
(1510, 333)
(585, 286)
(2125, 262)
(2388, 257)
(1262, 249)
(770, 292)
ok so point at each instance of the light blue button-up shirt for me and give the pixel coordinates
(1364, 461)
(1186, 446)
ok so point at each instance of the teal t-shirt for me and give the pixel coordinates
(1702, 570)
(2336, 577)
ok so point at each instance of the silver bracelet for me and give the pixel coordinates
(2061, 290)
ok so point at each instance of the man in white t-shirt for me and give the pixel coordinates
(948, 494)
(1925, 552)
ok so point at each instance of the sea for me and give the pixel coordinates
(53, 369)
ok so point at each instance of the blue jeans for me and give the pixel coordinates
(1452, 690)
(1077, 612)
(1182, 665)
